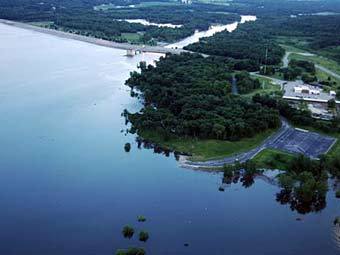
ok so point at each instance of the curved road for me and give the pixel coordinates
(241, 157)
(285, 61)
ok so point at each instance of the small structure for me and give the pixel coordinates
(130, 52)
(306, 90)
(332, 93)
(133, 52)
(298, 91)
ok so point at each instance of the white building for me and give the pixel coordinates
(306, 90)
(297, 90)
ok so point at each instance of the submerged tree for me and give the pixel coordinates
(128, 231)
(143, 236)
(131, 251)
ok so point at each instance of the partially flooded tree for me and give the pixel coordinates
(128, 231)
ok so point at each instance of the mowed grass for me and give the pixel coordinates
(208, 148)
(155, 4)
(335, 150)
(319, 60)
(292, 43)
(110, 6)
(273, 159)
(300, 46)
(267, 87)
(42, 23)
(132, 37)
(217, 2)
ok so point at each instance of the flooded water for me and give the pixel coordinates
(210, 32)
(147, 23)
(68, 187)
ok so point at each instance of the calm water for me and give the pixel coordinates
(68, 187)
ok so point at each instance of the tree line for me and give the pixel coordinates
(189, 95)
(250, 42)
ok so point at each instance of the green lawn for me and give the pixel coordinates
(273, 159)
(132, 37)
(104, 7)
(319, 60)
(297, 44)
(300, 44)
(267, 87)
(155, 3)
(42, 23)
(217, 2)
(110, 6)
(207, 149)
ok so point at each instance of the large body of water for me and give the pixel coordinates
(68, 187)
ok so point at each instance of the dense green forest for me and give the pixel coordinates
(299, 68)
(250, 42)
(104, 24)
(316, 33)
(80, 16)
(189, 95)
(313, 32)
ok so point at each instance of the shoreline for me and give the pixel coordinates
(92, 40)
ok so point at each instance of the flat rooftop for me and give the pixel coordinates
(323, 97)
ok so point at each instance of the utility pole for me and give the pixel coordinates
(265, 62)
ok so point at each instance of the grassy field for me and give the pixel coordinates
(273, 159)
(299, 45)
(42, 23)
(218, 2)
(207, 149)
(155, 3)
(268, 87)
(335, 151)
(132, 37)
(319, 60)
(106, 7)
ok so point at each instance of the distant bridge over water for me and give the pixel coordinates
(131, 49)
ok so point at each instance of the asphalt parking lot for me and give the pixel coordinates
(287, 138)
(310, 144)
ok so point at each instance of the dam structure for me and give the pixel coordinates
(131, 49)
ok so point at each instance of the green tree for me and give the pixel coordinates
(143, 236)
(128, 231)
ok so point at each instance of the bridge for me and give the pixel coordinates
(131, 49)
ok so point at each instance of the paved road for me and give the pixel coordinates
(242, 157)
(274, 80)
(285, 61)
(100, 42)
(331, 73)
